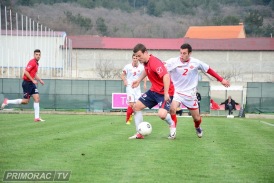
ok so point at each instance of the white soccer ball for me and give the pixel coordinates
(230, 116)
(144, 128)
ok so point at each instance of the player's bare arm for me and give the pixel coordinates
(123, 77)
(39, 79)
(145, 83)
(225, 83)
(29, 77)
(137, 82)
(166, 80)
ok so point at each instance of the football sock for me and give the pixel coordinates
(16, 101)
(197, 123)
(169, 121)
(138, 118)
(174, 118)
(36, 110)
(129, 112)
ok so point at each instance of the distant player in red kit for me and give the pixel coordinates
(184, 75)
(161, 91)
(30, 80)
(131, 72)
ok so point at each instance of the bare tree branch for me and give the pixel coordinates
(106, 70)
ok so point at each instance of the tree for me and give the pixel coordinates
(101, 27)
(78, 19)
(86, 4)
(233, 73)
(271, 4)
(106, 70)
(262, 2)
(253, 21)
(228, 20)
(26, 2)
(231, 20)
(7, 3)
(152, 9)
(268, 31)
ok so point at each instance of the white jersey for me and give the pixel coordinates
(185, 75)
(132, 74)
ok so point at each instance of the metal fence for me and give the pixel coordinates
(20, 36)
(93, 95)
(260, 97)
(90, 95)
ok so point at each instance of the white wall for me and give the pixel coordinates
(250, 65)
(16, 51)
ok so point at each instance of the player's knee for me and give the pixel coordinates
(36, 99)
(197, 118)
(136, 108)
(162, 113)
(162, 116)
(173, 110)
(131, 104)
(25, 101)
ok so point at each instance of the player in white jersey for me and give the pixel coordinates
(184, 72)
(131, 72)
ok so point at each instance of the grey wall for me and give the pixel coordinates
(245, 66)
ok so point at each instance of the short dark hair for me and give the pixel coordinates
(187, 46)
(139, 47)
(37, 51)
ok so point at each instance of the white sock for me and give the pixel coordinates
(168, 120)
(16, 101)
(138, 118)
(36, 109)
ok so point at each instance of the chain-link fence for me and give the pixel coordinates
(260, 98)
(91, 95)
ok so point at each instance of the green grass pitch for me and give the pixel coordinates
(95, 148)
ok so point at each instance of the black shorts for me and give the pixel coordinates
(151, 99)
(29, 88)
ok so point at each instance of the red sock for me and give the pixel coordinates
(129, 112)
(197, 123)
(174, 118)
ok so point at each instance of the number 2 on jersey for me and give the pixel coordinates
(185, 73)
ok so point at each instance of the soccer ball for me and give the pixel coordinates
(230, 116)
(144, 128)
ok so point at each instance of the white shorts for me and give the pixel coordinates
(190, 101)
(133, 94)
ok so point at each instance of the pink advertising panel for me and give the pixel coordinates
(119, 101)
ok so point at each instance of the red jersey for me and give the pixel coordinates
(155, 70)
(32, 68)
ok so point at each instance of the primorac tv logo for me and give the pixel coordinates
(36, 176)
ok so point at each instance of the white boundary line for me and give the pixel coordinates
(270, 124)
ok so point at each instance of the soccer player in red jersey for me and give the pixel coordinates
(30, 80)
(184, 74)
(161, 91)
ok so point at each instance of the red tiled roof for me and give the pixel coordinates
(97, 42)
(216, 32)
(245, 44)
